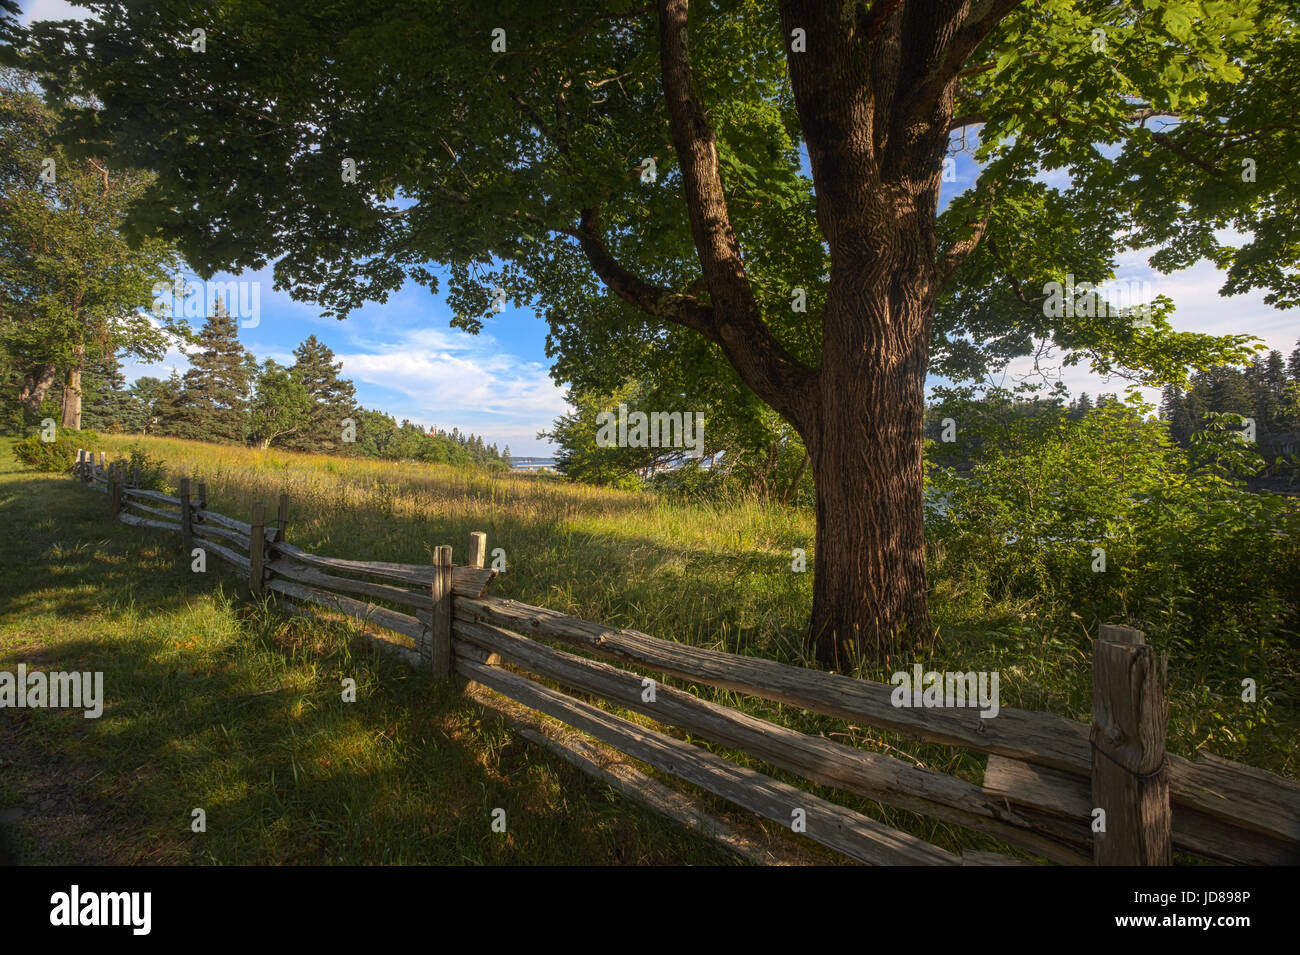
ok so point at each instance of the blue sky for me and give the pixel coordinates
(405, 359)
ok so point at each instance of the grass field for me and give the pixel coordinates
(219, 705)
(236, 708)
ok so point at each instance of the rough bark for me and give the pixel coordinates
(36, 386)
(874, 92)
(72, 399)
(869, 580)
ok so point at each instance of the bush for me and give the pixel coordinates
(150, 473)
(54, 456)
(1189, 553)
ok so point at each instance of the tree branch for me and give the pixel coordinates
(952, 258)
(966, 119)
(1014, 283)
(776, 376)
(983, 19)
(1168, 142)
(675, 307)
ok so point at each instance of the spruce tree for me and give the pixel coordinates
(214, 403)
(107, 404)
(331, 398)
(165, 404)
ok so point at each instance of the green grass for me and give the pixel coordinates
(217, 704)
(409, 773)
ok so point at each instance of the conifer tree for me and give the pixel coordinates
(332, 398)
(165, 404)
(214, 403)
(107, 404)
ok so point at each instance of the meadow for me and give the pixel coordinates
(223, 703)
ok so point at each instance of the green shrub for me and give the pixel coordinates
(1189, 553)
(55, 456)
(150, 473)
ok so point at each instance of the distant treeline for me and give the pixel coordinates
(228, 397)
(1267, 390)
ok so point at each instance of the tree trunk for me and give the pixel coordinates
(874, 87)
(869, 579)
(72, 399)
(36, 386)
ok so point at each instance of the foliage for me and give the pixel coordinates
(1188, 551)
(743, 450)
(72, 288)
(281, 405)
(1267, 391)
(329, 398)
(146, 470)
(517, 158)
(58, 455)
(213, 405)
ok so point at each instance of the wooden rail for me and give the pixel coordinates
(1061, 790)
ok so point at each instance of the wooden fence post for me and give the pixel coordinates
(1130, 776)
(117, 496)
(257, 549)
(282, 519)
(187, 531)
(477, 548)
(477, 558)
(103, 460)
(76, 468)
(439, 643)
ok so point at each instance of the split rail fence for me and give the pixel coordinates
(1047, 781)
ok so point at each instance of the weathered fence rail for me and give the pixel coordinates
(1049, 785)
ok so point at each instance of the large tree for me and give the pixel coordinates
(72, 289)
(678, 174)
(213, 404)
(331, 399)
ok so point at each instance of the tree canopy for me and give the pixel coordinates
(72, 289)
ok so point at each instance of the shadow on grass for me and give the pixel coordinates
(218, 705)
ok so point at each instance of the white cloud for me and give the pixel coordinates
(451, 378)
